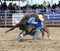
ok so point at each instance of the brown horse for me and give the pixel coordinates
(22, 23)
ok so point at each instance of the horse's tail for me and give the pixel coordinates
(17, 25)
(10, 29)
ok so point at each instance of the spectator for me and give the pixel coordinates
(11, 8)
(3, 6)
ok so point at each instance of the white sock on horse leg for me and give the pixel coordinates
(23, 33)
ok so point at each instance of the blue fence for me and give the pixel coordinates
(53, 17)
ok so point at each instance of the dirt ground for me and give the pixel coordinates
(8, 42)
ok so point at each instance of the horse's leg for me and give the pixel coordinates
(47, 31)
(42, 31)
(20, 37)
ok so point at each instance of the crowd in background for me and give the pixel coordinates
(6, 10)
(13, 6)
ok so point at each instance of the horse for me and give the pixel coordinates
(22, 24)
(45, 29)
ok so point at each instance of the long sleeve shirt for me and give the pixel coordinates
(38, 24)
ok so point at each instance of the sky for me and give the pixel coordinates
(33, 2)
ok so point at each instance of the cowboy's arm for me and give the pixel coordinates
(32, 21)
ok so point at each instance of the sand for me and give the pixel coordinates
(8, 42)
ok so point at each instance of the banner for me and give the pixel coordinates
(53, 17)
(16, 18)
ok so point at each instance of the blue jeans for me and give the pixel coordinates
(36, 34)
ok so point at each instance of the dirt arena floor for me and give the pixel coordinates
(8, 42)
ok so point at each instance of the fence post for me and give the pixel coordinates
(5, 19)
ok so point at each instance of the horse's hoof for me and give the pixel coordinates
(20, 39)
(49, 38)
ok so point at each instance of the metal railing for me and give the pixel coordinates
(7, 17)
